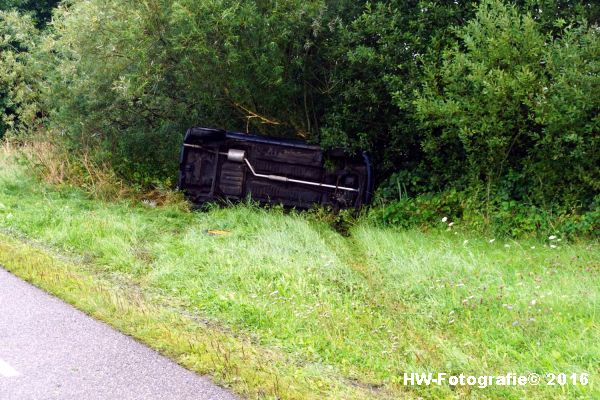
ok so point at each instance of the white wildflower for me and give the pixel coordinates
(444, 219)
(552, 237)
(492, 240)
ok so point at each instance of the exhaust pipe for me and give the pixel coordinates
(239, 156)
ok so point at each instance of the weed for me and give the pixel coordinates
(362, 308)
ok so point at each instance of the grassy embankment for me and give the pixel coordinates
(283, 306)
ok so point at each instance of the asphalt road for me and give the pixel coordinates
(49, 350)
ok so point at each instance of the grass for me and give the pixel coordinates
(282, 306)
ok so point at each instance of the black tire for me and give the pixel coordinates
(202, 135)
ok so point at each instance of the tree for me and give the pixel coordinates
(515, 109)
(19, 76)
(41, 9)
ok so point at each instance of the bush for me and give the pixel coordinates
(376, 69)
(326, 71)
(132, 76)
(424, 211)
(515, 110)
(565, 158)
(495, 103)
(20, 104)
(453, 210)
(41, 10)
(478, 103)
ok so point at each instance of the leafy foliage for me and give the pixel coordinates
(453, 210)
(566, 160)
(514, 109)
(379, 69)
(495, 100)
(174, 65)
(479, 102)
(19, 92)
(40, 9)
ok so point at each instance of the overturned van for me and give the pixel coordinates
(218, 165)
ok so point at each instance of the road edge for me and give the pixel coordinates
(231, 362)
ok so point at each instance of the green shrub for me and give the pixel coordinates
(376, 69)
(131, 76)
(499, 217)
(478, 103)
(565, 158)
(497, 101)
(586, 224)
(20, 92)
(515, 110)
(41, 10)
(424, 211)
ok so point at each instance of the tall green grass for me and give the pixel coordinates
(369, 306)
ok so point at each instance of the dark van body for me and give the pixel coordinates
(220, 165)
